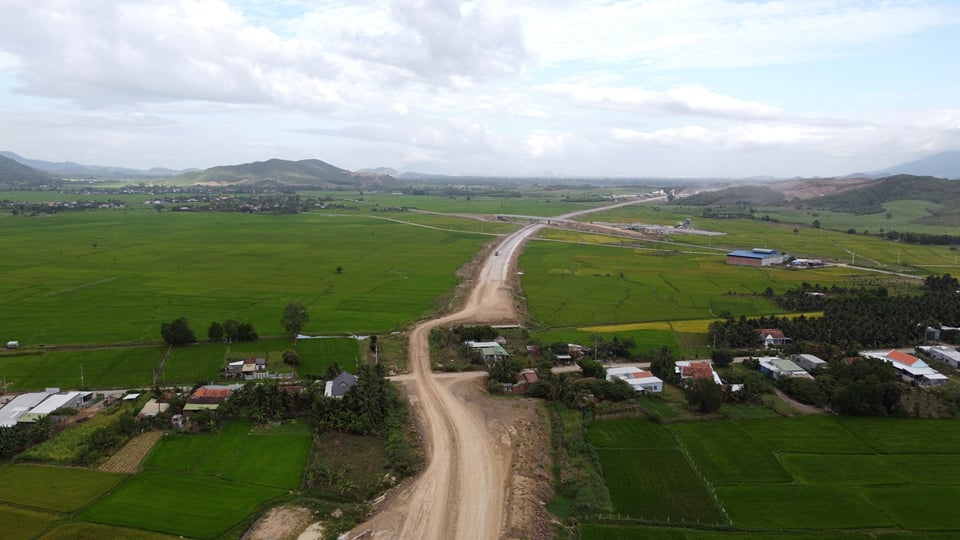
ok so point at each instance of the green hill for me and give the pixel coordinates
(307, 172)
(870, 198)
(753, 195)
(14, 174)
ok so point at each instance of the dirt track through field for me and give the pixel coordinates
(462, 492)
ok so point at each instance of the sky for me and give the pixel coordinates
(629, 88)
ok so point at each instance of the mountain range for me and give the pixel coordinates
(17, 170)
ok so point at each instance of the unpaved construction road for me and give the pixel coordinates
(463, 490)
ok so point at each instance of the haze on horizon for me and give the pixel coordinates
(617, 88)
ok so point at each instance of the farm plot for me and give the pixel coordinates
(193, 506)
(657, 484)
(620, 532)
(316, 355)
(59, 489)
(586, 285)
(848, 469)
(813, 434)
(94, 531)
(929, 469)
(630, 433)
(775, 506)
(102, 368)
(193, 363)
(724, 453)
(21, 524)
(919, 508)
(236, 453)
(918, 436)
(114, 277)
(131, 456)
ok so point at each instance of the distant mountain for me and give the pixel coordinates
(942, 165)
(69, 169)
(15, 174)
(752, 195)
(307, 172)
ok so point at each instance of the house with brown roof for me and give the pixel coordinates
(688, 371)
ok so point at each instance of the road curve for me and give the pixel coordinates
(462, 491)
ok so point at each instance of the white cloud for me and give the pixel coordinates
(540, 144)
(712, 34)
(687, 100)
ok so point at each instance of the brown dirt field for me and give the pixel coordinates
(281, 523)
(129, 458)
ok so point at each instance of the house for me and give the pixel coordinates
(755, 257)
(909, 367)
(808, 362)
(488, 350)
(641, 381)
(689, 370)
(13, 344)
(772, 337)
(576, 351)
(779, 368)
(209, 397)
(943, 354)
(246, 368)
(525, 379)
(339, 385)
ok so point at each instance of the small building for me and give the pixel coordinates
(755, 257)
(339, 385)
(946, 355)
(689, 370)
(209, 397)
(779, 368)
(641, 381)
(13, 344)
(488, 350)
(525, 379)
(808, 362)
(772, 337)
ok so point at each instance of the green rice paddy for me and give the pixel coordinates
(783, 477)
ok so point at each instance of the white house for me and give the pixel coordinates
(641, 381)
(943, 354)
(13, 344)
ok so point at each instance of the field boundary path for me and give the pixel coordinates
(463, 489)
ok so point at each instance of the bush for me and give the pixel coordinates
(806, 391)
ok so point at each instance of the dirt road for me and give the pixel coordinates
(463, 490)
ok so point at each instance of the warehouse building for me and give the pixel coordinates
(755, 257)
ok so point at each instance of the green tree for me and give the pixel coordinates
(230, 330)
(705, 395)
(215, 332)
(662, 365)
(721, 357)
(592, 368)
(294, 317)
(290, 357)
(339, 270)
(177, 332)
